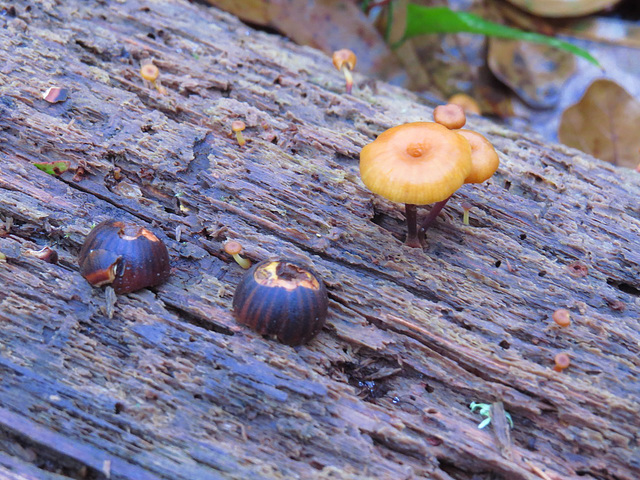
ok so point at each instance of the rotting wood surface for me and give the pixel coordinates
(172, 388)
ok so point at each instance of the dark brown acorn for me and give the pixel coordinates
(124, 255)
(282, 298)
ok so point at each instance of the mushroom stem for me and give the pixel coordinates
(412, 226)
(466, 206)
(348, 77)
(433, 214)
(243, 262)
(240, 138)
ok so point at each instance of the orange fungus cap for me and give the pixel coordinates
(237, 125)
(342, 57)
(149, 72)
(484, 159)
(450, 115)
(232, 247)
(468, 104)
(417, 163)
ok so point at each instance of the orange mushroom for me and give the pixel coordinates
(345, 61)
(150, 73)
(468, 104)
(237, 127)
(562, 362)
(234, 248)
(415, 164)
(484, 163)
(562, 317)
(450, 115)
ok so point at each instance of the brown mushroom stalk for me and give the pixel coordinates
(413, 239)
(432, 215)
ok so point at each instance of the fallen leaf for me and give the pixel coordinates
(604, 123)
(563, 8)
(535, 72)
(325, 24)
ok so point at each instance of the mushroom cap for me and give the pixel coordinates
(450, 115)
(237, 125)
(232, 247)
(562, 361)
(484, 159)
(344, 56)
(468, 104)
(149, 72)
(562, 317)
(417, 163)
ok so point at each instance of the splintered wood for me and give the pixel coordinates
(172, 387)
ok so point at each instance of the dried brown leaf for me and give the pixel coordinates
(325, 24)
(604, 123)
(535, 72)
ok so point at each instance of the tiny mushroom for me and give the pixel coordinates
(416, 164)
(562, 317)
(150, 73)
(484, 163)
(237, 127)
(468, 104)
(466, 206)
(450, 115)
(345, 61)
(484, 159)
(562, 362)
(234, 249)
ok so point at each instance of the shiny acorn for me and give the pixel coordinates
(283, 299)
(123, 255)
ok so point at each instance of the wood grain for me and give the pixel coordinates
(173, 388)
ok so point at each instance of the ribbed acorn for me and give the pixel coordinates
(124, 255)
(283, 299)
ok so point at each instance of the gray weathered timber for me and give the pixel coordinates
(172, 388)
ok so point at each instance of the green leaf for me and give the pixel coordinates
(425, 20)
(53, 168)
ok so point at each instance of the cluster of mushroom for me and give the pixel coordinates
(426, 162)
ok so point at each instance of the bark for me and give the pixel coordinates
(171, 387)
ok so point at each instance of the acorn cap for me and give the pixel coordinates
(450, 115)
(484, 159)
(344, 56)
(417, 163)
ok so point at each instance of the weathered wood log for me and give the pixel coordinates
(171, 387)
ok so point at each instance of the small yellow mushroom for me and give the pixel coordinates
(234, 248)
